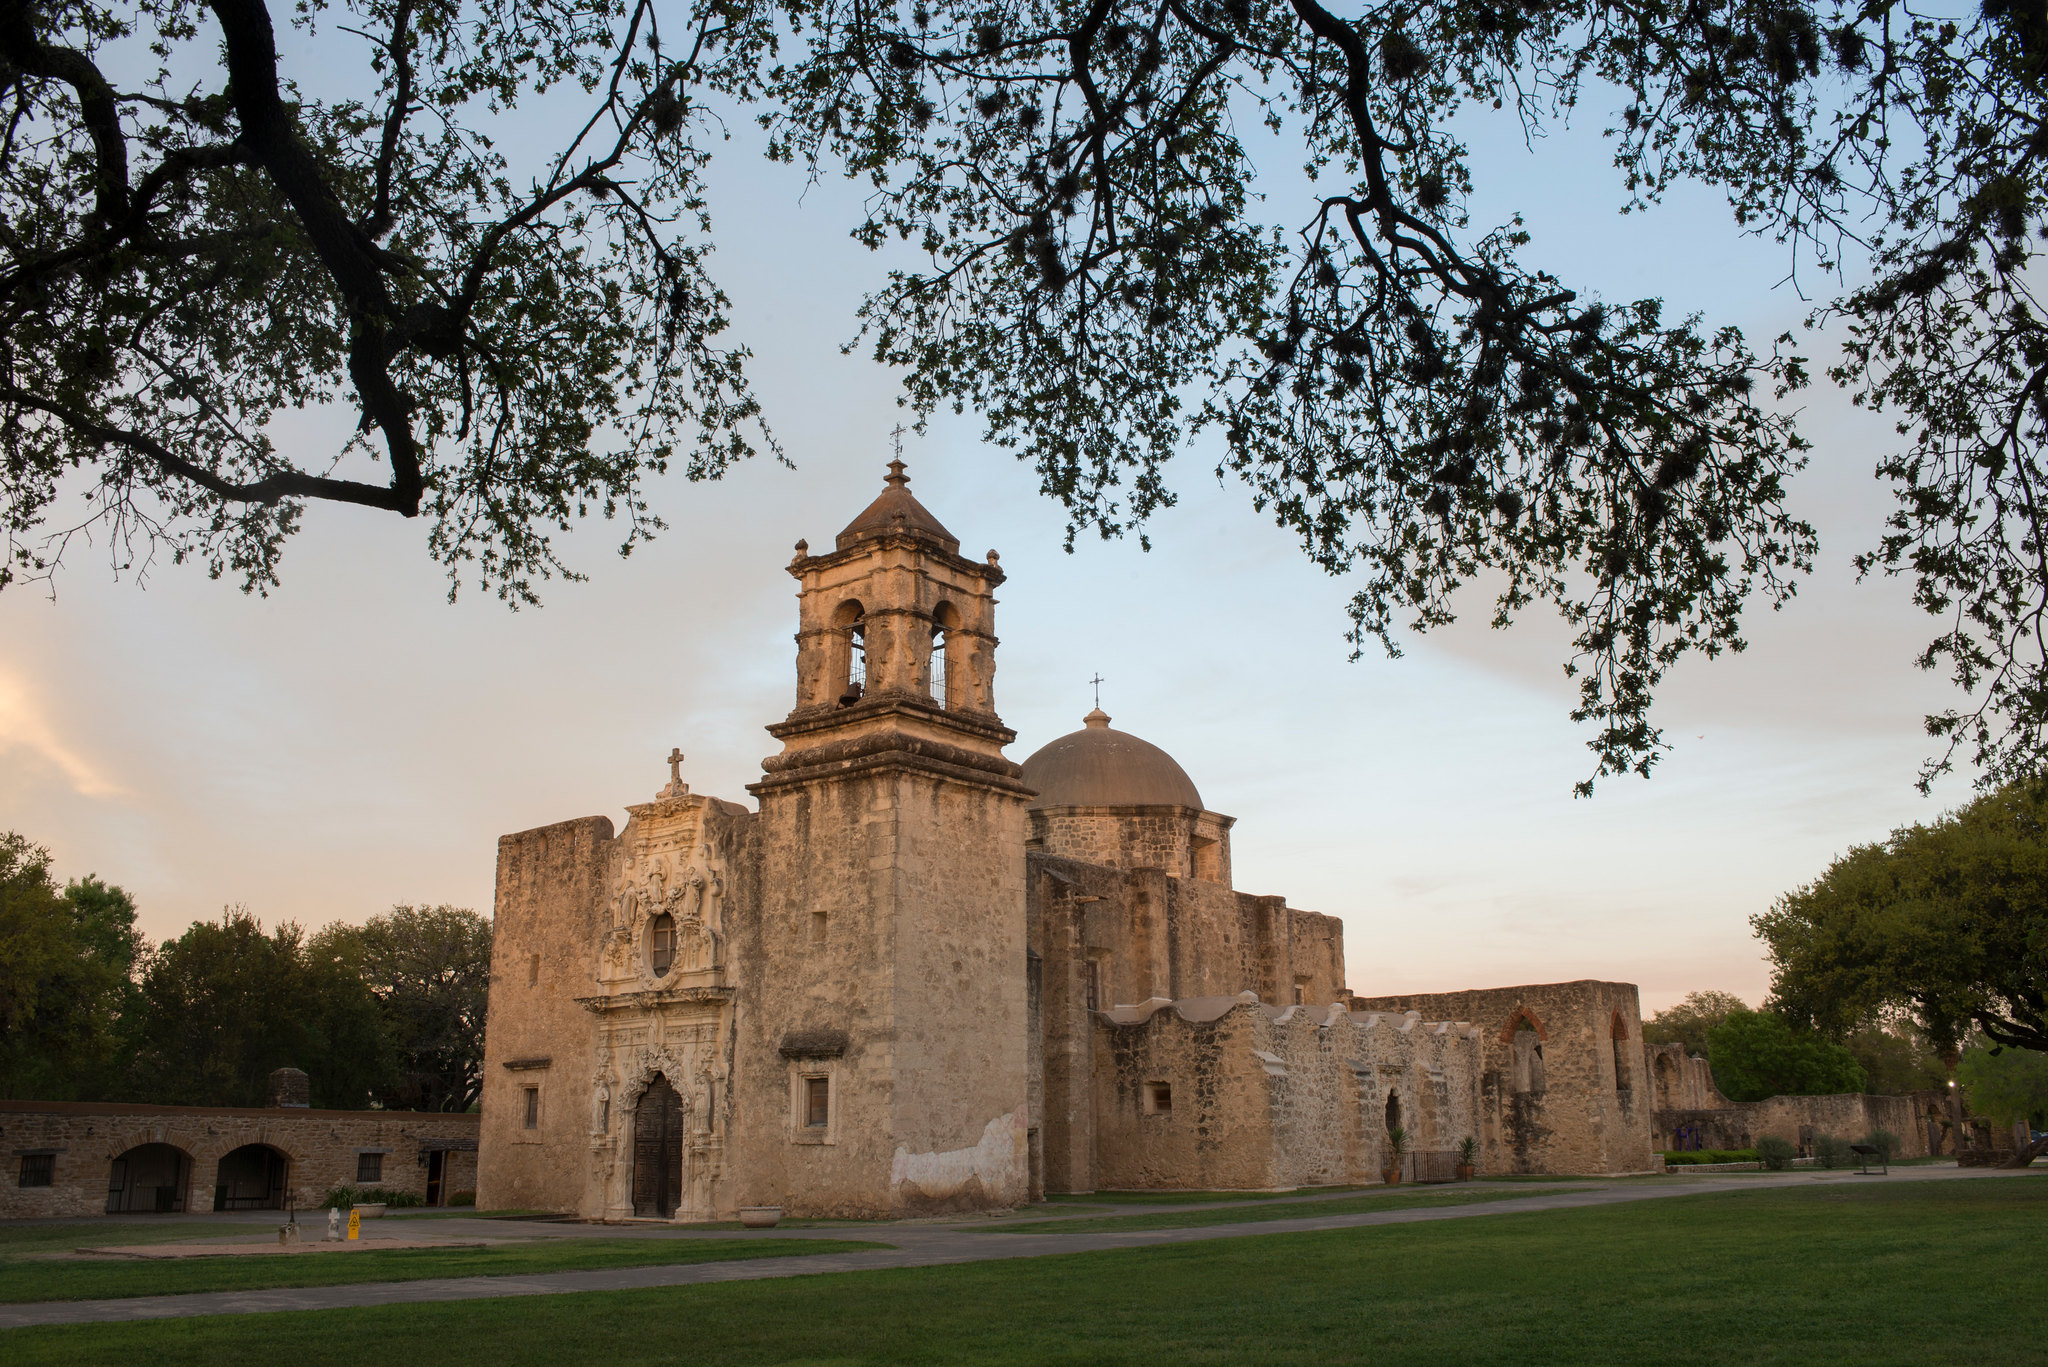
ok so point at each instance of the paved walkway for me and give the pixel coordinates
(914, 1245)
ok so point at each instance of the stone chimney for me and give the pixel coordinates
(290, 1087)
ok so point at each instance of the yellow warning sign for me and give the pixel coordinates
(355, 1224)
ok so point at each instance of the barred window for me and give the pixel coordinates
(369, 1167)
(38, 1169)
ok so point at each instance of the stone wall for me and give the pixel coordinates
(908, 997)
(1231, 1093)
(548, 926)
(1799, 1119)
(1680, 1081)
(86, 1140)
(1178, 841)
(1106, 936)
(1563, 1087)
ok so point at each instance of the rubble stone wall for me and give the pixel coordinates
(85, 1139)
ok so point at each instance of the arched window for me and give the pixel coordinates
(1621, 1069)
(661, 944)
(850, 621)
(1393, 1112)
(944, 687)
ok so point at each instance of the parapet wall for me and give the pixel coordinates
(1232, 1093)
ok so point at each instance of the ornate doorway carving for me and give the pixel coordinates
(658, 1151)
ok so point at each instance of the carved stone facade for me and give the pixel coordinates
(921, 978)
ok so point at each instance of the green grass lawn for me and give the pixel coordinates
(45, 1279)
(1239, 1215)
(1183, 1198)
(1831, 1275)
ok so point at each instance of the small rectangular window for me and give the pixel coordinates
(817, 927)
(369, 1167)
(1158, 1098)
(1094, 986)
(38, 1169)
(533, 971)
(532, 1121)
(817, 1102)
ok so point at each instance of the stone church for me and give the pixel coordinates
(918, 977)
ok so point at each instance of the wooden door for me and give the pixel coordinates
(658, 1151)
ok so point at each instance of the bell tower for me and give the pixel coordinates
(891, 988)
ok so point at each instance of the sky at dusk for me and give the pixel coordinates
(354, 740)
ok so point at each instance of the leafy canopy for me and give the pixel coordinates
(197, 243)
(2007, 1084)
(1756, 1055)
(1692, 1020)
(1947, 923)
(65, 958)
(429, 969)
(200, 249)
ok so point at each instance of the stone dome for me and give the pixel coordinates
(1098, 767)
(897, 510)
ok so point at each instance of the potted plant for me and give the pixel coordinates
(1397, 1144)
(760, 1217)
(1468, 1158)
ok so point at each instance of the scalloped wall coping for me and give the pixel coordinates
(1202, 1010)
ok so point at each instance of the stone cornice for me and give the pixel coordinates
(910, 541)
(984, 726)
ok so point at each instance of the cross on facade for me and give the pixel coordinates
(1097, 681)
(675, 766)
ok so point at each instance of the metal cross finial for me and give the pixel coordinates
(896, 433)
(675, 766)
(1097, 681)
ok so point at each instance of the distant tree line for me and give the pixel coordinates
(1909, 962)
(386, 1014)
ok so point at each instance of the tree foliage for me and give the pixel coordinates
(429, 969)
(2007, 1084)
(197, 243)
(1396, 383)
(1947, 923)
(1692, 1020)
(1756, 1055)
(1896, 1058)
(65, 958)
(224, 1005)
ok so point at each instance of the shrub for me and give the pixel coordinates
(1686, 1158)
(347, 1195)
(1885, 1142)
(1775, 1151)
(1829, 1151)
(462, 1198)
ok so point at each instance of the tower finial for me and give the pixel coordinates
(897, 479)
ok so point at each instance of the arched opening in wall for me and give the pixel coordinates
(252, 1177)
(149, 1177)
(944, 687)
(661, 944)
(1393, 1112)
(1664, 1078)
(1622, 1076)
(850, 644)
(658, 1151)
(1528, 1048)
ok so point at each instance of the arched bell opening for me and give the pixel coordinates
(149, 1178)
(253, 1177)
(947, 674)
(850, 654)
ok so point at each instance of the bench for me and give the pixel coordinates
(1866, 1152)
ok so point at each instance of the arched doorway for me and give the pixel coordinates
(658, 1151)
(149, 1177)
(252, 1177)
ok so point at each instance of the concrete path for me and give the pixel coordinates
(914, 1245)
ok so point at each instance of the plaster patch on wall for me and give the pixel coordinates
(998, 1160)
